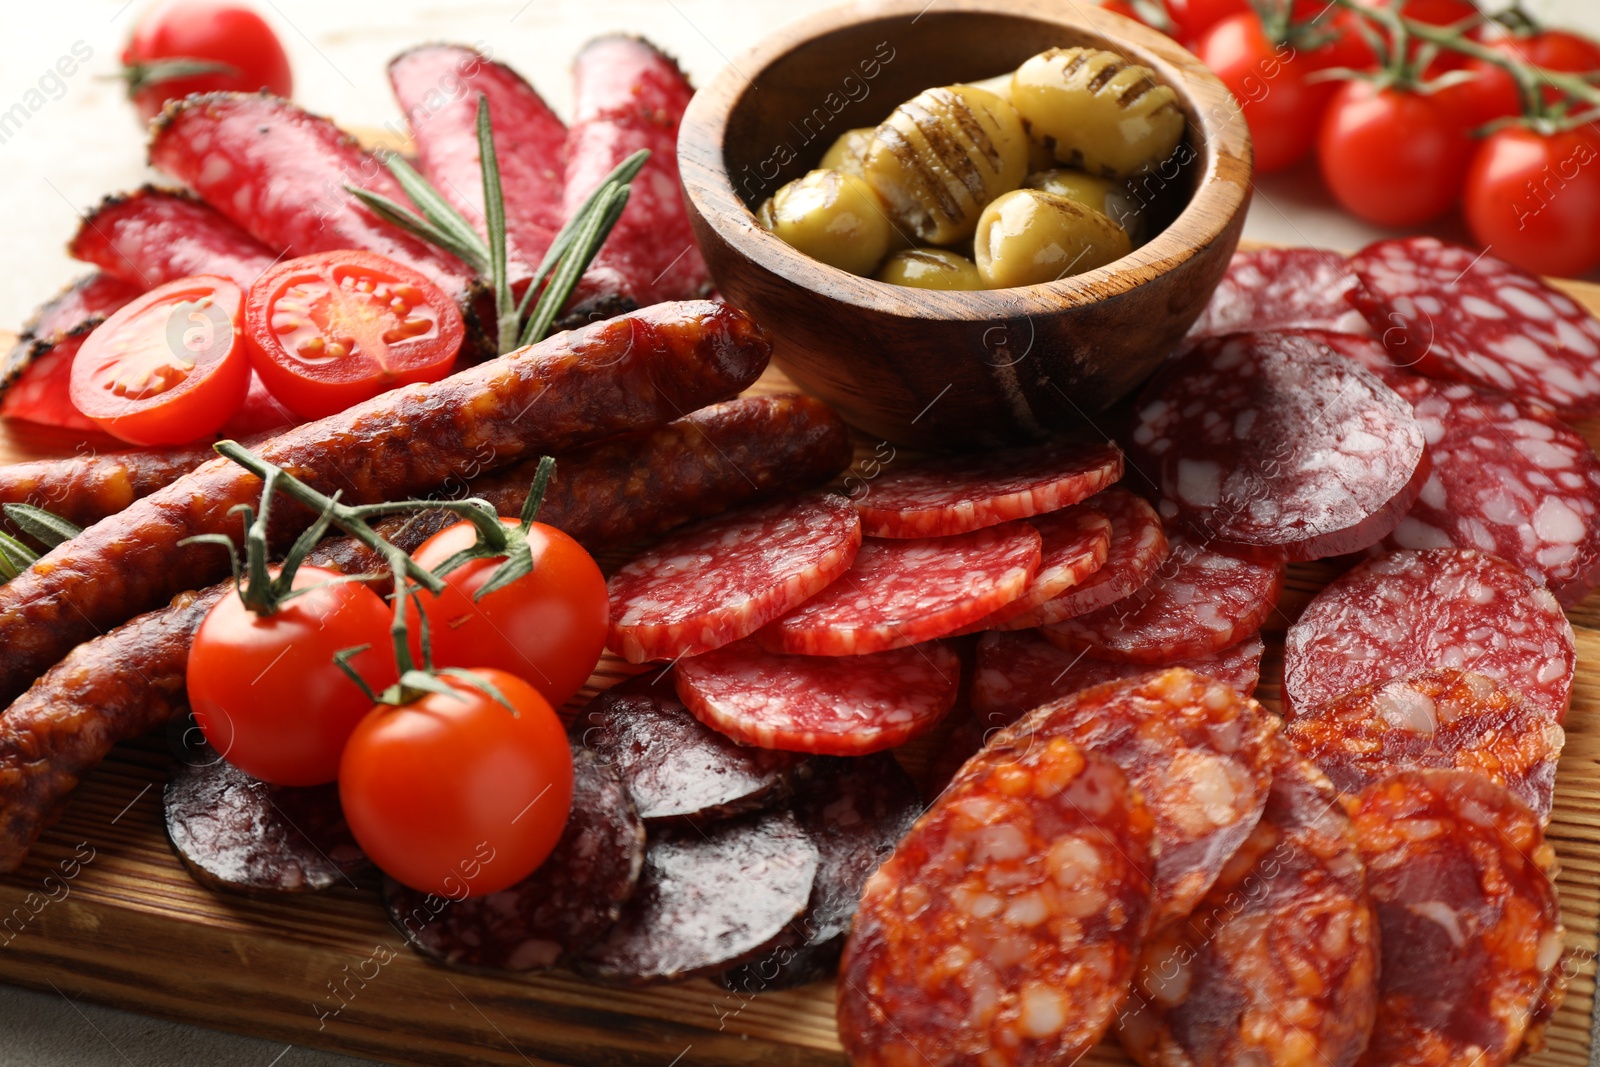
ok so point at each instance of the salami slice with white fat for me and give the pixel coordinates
(1074, 545)
(721, 580)
(900, 593)
(1404, 612)
(1138, 546)
(1509, 479)
(1201, 601)
(838, 706)
(937, 498)
(1365, 349)
(1277, 443)
(1283, 289)
(1450, 312)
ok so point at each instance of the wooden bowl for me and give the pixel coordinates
(954, 369)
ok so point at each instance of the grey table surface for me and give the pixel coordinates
(84, 143)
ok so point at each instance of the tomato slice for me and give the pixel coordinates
(330, 330)
(168, 367)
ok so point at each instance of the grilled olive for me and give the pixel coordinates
(833, 217)
(849, 152)
(931, 268)
(1111, 199)
(943, 155)
(1027, 237)
(999, 85)
(1097, 111)
(764, 217)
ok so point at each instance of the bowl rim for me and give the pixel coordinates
(1217, 200)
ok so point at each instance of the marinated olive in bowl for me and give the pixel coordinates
(931, 268)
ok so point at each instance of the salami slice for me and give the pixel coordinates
(676, 768)
(1283, 289)
(856, 811)
(1138, 547)
(239, 834)
(902, 593)
(1441, 718)
(1470, 925)
(35, 372)
(1003, 929)
(1508, 479)
(154, 236)
(1201, 602)
(1450, 312)
(838, 706)
(937, 498)
(573, 898)
(1364, 349)
(710, 898)
(724, 579)
(1405, 612)
(1074, 545)
(1277, 443)
(1278, 964)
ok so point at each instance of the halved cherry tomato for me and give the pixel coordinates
(330, 330)
(1535, 199)
(1392, 156)
(457, 794)
(224, 35)
(168, 367)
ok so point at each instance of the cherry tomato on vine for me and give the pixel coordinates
(265, 689)
(1392, 156)
(330, 330)
(457, 794)
(159, 61)
(1535, 198)
(1490, 94)
(167, 368)
(1192, 18)
(1556, 50)
(1444, 13)
(1124, 8)
(547, 627)
(1269, 81)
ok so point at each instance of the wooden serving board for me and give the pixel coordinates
(103, 910)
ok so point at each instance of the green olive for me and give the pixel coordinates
(943, 155)
(931, 268)
(1098, 111)
(833, 217)
(999, 85)
(849, 152)
(1027, 237)
(1112, 199)
(764, 217)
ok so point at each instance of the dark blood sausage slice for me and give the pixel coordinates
(1278, 965)
(676, 768)
(856, 811)
(710, 898)
(1075, 543)
(1470, 925)
(631, 373)
(1200, 602)
(1279, 444)
(628, 96)
(1441, 718)
(36, 370)
(437, 87)
(236, 833)
(1451, 312)
(1138, 547)
(1413, 611)
(1508, 479)
(1283, 289)
(564, 906)
(722, 580)
(154, 236)
(837, 706)
(280, 173)
(936, 498)
(1003, 929)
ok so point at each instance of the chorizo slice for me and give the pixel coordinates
(36, 370)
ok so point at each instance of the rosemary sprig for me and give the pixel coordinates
(49, 530)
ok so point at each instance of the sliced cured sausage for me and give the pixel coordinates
(1365, 349)
(936, 498)
(714, 583)
(1278, 964)
(710, 898)
(1461, 877)
(905, 592)
(573, 898)
(1201, 602)
(1451, 312)
(1074, 545)
(1439, 718)
(36, 370)
(1283, 289)
(838, 706)
(1405, 612)
(1277, 443)
(1508, 479)
(1138, 547)
(154, 236)
(1004, 928)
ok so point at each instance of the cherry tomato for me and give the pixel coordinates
(265, 690)
(1441, 13)
(457, 794)
(1391, 156)
(1535, 199)
(205, 31)
(330, 330)
(1192, 18)
(548, 627)
(1556, 50)
(1489, 95)
(1347, 47)
(1269, 81)
(167, 368)
(1124, 8)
